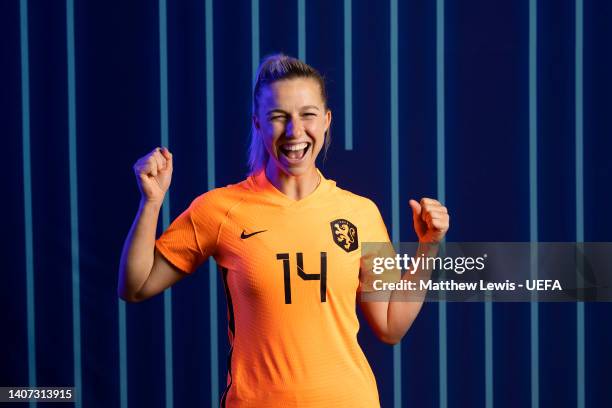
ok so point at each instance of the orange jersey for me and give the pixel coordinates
(291, 275)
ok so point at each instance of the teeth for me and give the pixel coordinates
(294, 147)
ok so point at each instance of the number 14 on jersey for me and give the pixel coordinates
(321, 277)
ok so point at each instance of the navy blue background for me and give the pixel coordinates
(486, 161)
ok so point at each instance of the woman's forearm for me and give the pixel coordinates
(138, 250)
(403, 309)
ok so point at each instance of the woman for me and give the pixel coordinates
(287, 241)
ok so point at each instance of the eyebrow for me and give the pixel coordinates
(278, 110)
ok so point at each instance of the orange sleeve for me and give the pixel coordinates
(375, 244)
(376, 231)
(192, 237)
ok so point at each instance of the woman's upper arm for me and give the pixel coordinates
(375, 313)
(163, 275)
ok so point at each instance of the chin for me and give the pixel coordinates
(296, 171)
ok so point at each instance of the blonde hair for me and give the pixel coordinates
(274, 68)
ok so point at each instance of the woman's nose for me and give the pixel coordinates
(294, 128)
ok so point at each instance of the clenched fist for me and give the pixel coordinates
(153, 174)
(431, 220)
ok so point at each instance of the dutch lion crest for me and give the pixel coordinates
(344, 234)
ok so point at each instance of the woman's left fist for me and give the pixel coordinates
(430, 218)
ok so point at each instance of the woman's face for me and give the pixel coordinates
(292, 120)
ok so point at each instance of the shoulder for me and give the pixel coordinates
(220, 200)
(366, 216)
(357, 202)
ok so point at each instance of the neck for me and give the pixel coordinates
(294, 187)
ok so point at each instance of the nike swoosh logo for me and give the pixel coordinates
(245, 236)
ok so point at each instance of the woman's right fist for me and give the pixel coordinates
(153, 173)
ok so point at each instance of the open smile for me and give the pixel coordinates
(294, 151)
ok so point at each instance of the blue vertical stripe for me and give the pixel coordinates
(440, 102)
(210, 163)
(488, 357)
(533, 197)
(442, 362)
(168, 360)
(123, 366)
(302, 30)
(163, 101)
(348, 75)
(441, 181)
(210, 96)
(163, 96)
(395, 199)
(254, 35)
(214, 332)
(579, 119)
(27, 192)
(533, 122)
(488, 311)
(123, 389)
(163, 83)
(395, 214)
(74, 209)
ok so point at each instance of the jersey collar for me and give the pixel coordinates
(261, 184)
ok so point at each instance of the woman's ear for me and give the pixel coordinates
(328, 118)
(255, 120)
